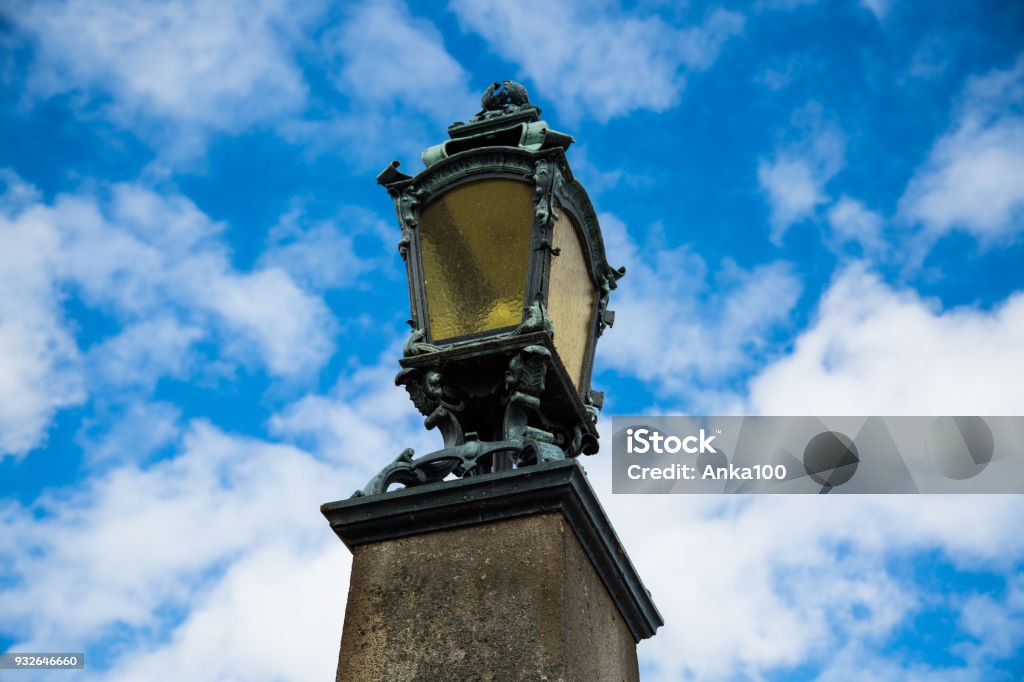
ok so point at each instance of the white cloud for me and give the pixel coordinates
(600, 61)
(158, 266)
(794, 178)
(395, 76)
(290, 328)
(137, 537)
(213, 562)
(160, 253)
(144, 352)
(133, 433)
(794, 189)
(876, 350)
(853, 222)
(671, 330)
(276, 615)
(325, 254)
(197, 66)
(227, 532)
(176, 72)
(40, 365)
(388, 57)
(973, 179)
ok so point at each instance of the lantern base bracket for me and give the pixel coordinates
(461, 460)
(499, 404)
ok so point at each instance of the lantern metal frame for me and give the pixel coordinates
(500, 398)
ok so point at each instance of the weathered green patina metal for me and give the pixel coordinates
(501, 396)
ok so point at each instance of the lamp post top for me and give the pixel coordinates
(509, 288)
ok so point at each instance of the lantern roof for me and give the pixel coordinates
(507, 118)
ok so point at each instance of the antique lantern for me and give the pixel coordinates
(508, 289)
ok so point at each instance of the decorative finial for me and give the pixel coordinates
(502, 98)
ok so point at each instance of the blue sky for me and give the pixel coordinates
(820, 205)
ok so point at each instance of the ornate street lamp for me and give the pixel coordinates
(508, 288)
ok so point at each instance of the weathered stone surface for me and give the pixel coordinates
(516, 599)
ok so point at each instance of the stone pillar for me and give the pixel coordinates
(516, 575)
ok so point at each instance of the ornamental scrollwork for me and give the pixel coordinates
(506, 160)
(436, 401)
(407, 201)
(536, 320)
(544, 202)
(415, 344)
(605, 317)
(524, 384)
(460, 460)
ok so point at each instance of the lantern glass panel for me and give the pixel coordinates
(572, 297)
(474, 249)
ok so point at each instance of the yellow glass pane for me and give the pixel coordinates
(571, 297)
(475, 249)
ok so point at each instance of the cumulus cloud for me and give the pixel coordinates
(794, 178)
(290, 329)
(384, 57)
(326, 254)
(851, 221)
(276, 615)
(604, 63)
(393, 73)
(973, 179)
(40, 364)
(195, 66)
(156, 264)
(144, 352)
(681, 325)
(133, 432)
(177, 72)
(226, 532)
(874, 349)
(212, 561)
(160, 250)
